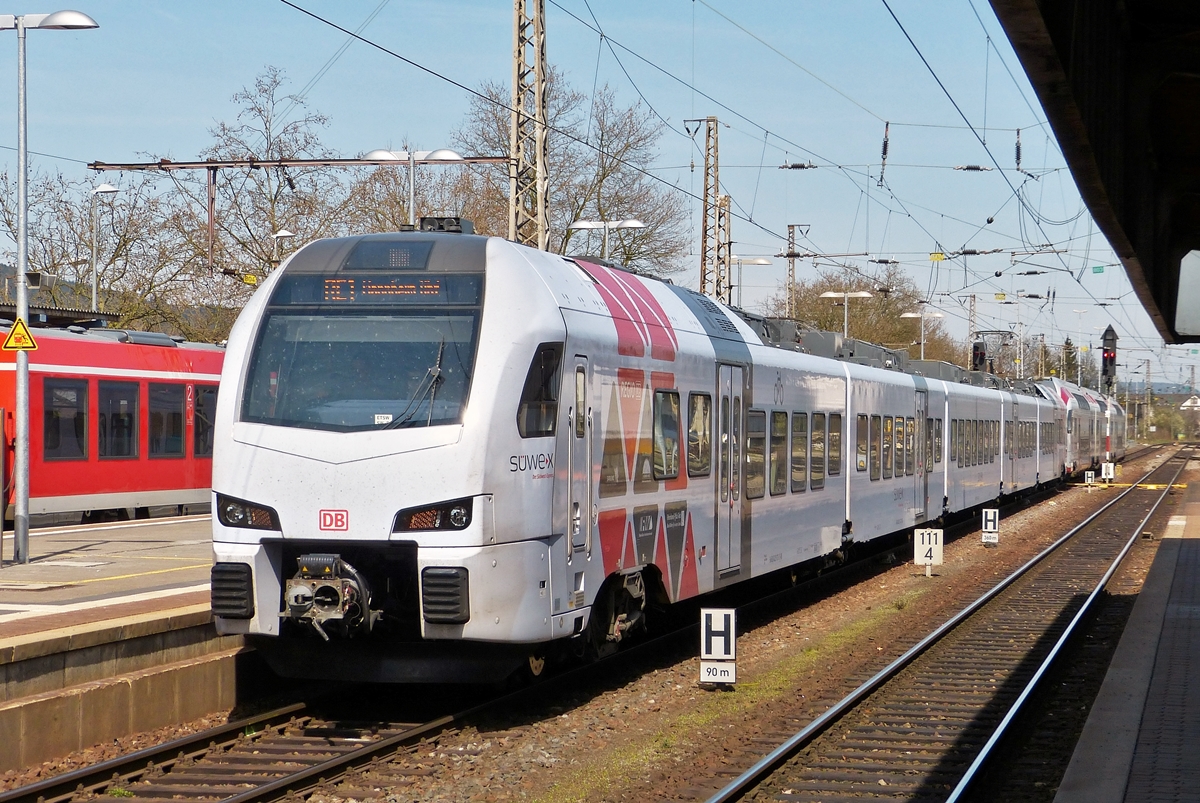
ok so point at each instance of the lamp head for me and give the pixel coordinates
(66, 21)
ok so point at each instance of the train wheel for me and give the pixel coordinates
(617, 613)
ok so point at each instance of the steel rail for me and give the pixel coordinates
(764, 766)
(102, 774)
(986, 752)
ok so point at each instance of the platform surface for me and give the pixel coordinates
(1141, 742)
(89, 573)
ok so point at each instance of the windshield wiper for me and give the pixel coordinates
(434, 376)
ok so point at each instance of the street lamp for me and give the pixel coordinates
(749, 261)
(282, 234)
(606, 225)
(103, 189)
(414, 158)
(58, 21)
(923, 314)
(845, 296)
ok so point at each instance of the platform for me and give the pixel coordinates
(106, 632)
(1141, 741)
(85, 573)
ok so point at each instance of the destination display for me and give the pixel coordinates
(376, 289)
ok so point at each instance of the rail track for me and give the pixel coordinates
(923, 727)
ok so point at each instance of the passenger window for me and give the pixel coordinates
(581, 404)
(118, 424)
(887, 447)
(699, 435)
(937, 440)
(724, 446)
(995, 438)
(910, 440)
(538, 412)
(800, 450)
(204, 415)
(666, 434)
(779, 453)
(928, 445)
(876, 427)
(65, 432)
(756, 447)
(861, 439)
(736, 447)
(954, 440)
(898, 434)
(816, 468)
(835, 444)
(166, 420)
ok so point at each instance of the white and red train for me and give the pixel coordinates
(120, 422)
(439, 456)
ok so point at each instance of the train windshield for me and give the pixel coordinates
(348, 364)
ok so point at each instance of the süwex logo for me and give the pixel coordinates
(540, 465)
(334, 520)
(543, 461)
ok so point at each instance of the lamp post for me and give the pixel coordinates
(282, 234)
(923, 314)
(58, 21)
(414, 158)
(606, 225)
(845, 296)
(103, 189)
(749, 261)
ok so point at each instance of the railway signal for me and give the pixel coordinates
(1108, 364)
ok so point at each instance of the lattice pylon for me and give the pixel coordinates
(710, 231)
(722, 290)
(528, 179)
(791, 279)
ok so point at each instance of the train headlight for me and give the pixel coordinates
(454, 515)
(239, 513)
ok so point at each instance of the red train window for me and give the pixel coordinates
(118, 425)
(166, 420)
(65, 415)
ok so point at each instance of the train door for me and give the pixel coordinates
(580, 504)
(922, 442)
(729, 474)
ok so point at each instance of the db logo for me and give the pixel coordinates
(335, 520)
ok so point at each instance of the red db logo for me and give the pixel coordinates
(335, 520)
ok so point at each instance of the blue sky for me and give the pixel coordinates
(803, 80)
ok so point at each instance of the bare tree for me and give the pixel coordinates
(599, 155)
(254, 203)
(876, 319)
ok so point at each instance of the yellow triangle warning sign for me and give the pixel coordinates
(19, 338)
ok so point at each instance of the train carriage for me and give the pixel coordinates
(440, 456)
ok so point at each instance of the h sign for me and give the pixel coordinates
(718, 634)
(335, 520)
(991, 520)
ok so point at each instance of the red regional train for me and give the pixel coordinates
(120, 422)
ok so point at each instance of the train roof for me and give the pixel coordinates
(107, 335)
